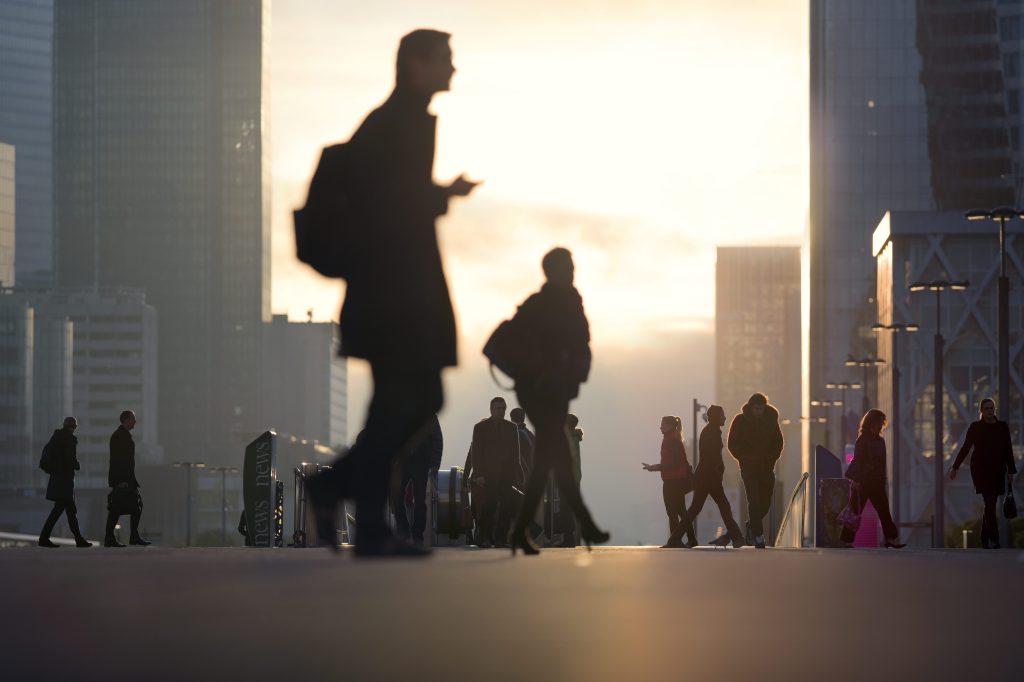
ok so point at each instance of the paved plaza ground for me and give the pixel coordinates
(631, 614)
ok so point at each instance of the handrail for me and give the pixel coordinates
(800, 486)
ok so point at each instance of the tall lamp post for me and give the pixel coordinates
(896, 330)
(224, 471)
(828, 405)
(843, 386)
(1001, 215)
(189, 466)
(938, 286)
(865, 364)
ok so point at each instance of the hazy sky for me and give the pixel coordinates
(638, 134)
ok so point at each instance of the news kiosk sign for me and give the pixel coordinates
(258, 489)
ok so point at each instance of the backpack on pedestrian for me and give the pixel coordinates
(44, 460)
(324, 227)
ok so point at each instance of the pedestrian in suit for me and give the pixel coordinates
(707, 482)
(124, 497)
(557, 327)
(755, 441)
(61, 461)
(494, 465)
(867, 473)
(414, 471)
(527, 441)
(397, 313)
(992, 465)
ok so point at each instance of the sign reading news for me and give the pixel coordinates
(258, 478)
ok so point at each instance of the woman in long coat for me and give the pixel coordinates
(992, 465)
(61, 462)
(867, 474)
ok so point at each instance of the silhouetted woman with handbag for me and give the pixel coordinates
(868, 478)
(992, 465)
(676, 481)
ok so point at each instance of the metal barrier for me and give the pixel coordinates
(799, 489)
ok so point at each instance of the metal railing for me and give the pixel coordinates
(801, 490)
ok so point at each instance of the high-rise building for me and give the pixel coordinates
(305, 381)
(162, 183)
(915, 106)
(758, 339)
(916, 246)
(7, 215)
(16, 327)
(26, 121)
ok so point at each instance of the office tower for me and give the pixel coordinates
(7, 215)
(162, 183)
(758, 340)
(16, 326)
(305, 382)
(26, 121)
(915, 106)
(913, 246)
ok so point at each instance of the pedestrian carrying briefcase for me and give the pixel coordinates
(1009, 504)
(127, 500)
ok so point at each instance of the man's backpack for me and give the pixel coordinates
(44, 460)
(323, 227)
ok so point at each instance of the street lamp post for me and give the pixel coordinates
(698, 407)
(865, 364)
(896, 330)
(224, 471)
(1001, 215)
(843, 386)
(938, 286)
(189, 466)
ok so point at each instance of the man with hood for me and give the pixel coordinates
(755, 441)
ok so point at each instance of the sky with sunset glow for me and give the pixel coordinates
(640, 134)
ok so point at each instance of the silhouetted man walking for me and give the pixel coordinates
(124, 497)
(526, 442)
(495, 466)
(755, 440)
(397, 313)
(60, 460)
(415, 470)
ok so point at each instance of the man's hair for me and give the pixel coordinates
(572, 420)
(517, 414)
(716, 409)
(758, 399)
(125, 415)
(68, 421)
(555, 259)
(417, 45)
(498, 399)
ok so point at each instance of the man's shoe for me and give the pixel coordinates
(82, 542)
(139, 540)
(389, 547)
(45, 542)
(759, 542)
(674, 544)
(748, 536)
(737, 543)
(111, 542)
(721, 541)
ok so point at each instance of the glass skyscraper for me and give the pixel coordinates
(163, 183)
(26, 121)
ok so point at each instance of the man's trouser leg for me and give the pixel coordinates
(398, 504)
(403, 404)
(419, 504)
(759, 486)
(51, 519)
(989, 521)
(717, 493)
(112, 518)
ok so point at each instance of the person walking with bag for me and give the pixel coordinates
(124, 497)
(60, 460)
(707, 482)
(676, 481)
(545, 348)
(868, 479)
(992, 466)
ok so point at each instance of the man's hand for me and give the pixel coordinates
(647, 467)
(952, 472)
(461, 187)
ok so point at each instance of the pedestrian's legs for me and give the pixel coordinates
(857, 502)
(51, 520)
(671, 499)
(753, 483)
(136, 517)
(880, 501)
(766, 493)
(72, 512)
(112, 518)
(398, 504)
(419, 504)
(989, 521)
(535, 486)
(399, 417)
(683, 518)
(488, 510)
(504, 517)
(717, 494)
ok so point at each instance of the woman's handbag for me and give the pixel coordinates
(849, 518)
(1009, 504)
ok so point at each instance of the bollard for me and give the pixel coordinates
(966, 533)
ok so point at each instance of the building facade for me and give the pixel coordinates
(16, 344)
(26, 121)
(758, 339)
(7, 215)
(162, 184)
(925, 246)
(305, 382)
(915, 106)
